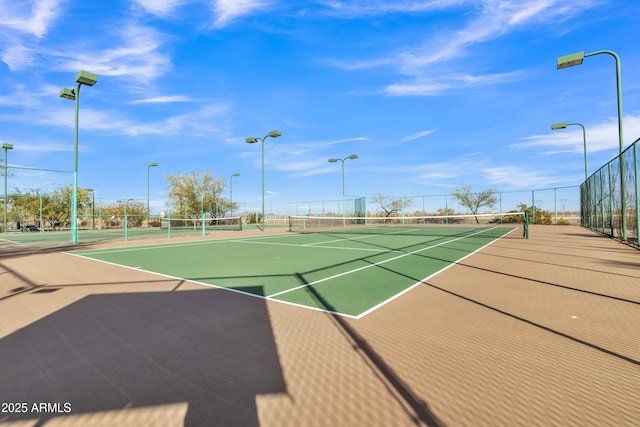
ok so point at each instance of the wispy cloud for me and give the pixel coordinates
(163, 99)
(18, 57)
(424, 63)
(227, 11)
(418, 135)
(599, 136)
(137, 55)
(379, 7)
(160, 7)
(193, 123)
(33, 17)
(516, 177)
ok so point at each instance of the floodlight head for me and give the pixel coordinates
(68, 93)
(153, 164)
(333, 160)
(86, 78)
(353, 156)
(567, 61)
(236, 174)
(6, 146)
(557, 126)
(251, 140)
(275, 133)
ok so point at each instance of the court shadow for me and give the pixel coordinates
(209, 349)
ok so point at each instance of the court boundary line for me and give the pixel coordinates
(324, 279)
(271, 297)
(210, 285)
(422, 281)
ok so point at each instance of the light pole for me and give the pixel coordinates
(6, 147)
(352, 157)
(557, 126)
(272, 134)
(149, 166)
(576, 59)
(89, 79)
(231, 190)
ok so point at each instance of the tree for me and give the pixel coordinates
(113, 214)
(389, 205)
(197, 193)
(474, 201)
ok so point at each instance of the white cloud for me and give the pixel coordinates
(136, 56)
(228, 10)
(371, 7)
(599, 136)
(163, 99)
(515, 177)
(489, 20)
(18, 57)
(418, 135)
(32, 17)
(160, 7)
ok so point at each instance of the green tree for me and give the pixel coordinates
(197, 193)
(389, 205)
(474, 201)
(541, 216)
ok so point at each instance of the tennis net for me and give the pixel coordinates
(415, 225)
(199, 224)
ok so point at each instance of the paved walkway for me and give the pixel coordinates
(544, 331)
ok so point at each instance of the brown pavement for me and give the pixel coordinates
(544, 331)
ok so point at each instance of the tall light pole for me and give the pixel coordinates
(557, 126)
(149, 166)
(272, 134)
(352, 157)
(231, 190)
(6, 147)
(576, 59)
(89, 79)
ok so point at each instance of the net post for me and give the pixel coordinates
(168, 224)
(526, 225)
(203, 228)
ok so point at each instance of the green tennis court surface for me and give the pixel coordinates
(350, 272)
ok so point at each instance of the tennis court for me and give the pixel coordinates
(348, 270)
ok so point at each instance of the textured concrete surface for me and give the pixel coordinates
(538, 332)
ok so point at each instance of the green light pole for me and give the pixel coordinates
(231, 190)
(272, 134)
(557, 126)
(352, 157)
(89, 79)
(149, 166)
(576, 59)
(6, 147)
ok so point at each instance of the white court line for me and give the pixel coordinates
(319, 247)
(170, 245)
(270, 298)
(358, 238)
(377, 263)
(377, 306)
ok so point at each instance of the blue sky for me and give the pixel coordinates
(431, 95)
